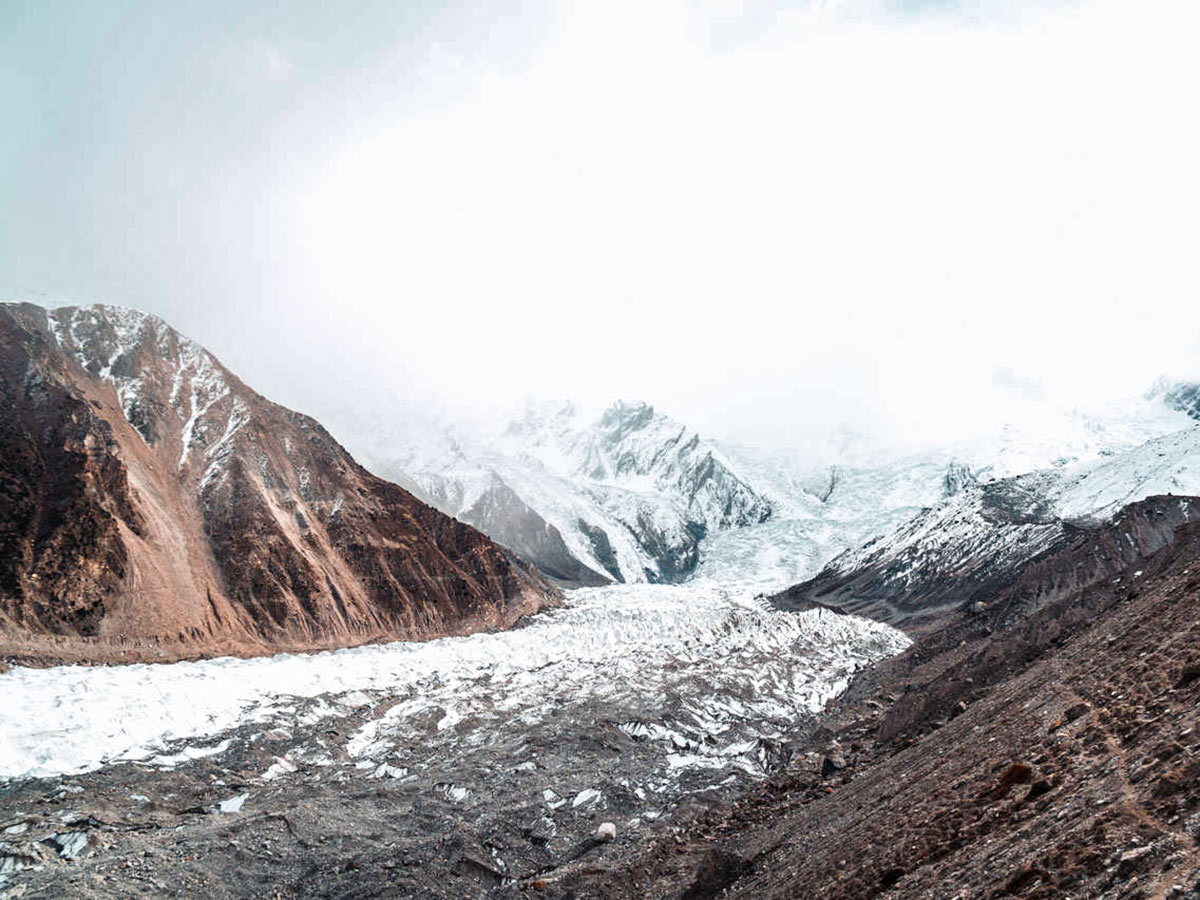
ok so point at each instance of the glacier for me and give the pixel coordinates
(706, 670)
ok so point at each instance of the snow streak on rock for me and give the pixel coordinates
(106, 340)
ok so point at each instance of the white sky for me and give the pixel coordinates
(769, 220)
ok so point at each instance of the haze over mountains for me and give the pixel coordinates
(629, 494)
(256, 526)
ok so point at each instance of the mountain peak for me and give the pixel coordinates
(159, 507)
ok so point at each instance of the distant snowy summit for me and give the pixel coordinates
(628, 493)
(153, 506)
(624, 495)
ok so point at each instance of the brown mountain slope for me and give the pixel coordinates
(1047, 746)
(154, 507)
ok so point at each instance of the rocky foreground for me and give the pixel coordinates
(1043, 743)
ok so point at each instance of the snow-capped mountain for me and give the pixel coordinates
(863, 491)
(977, 539)
(626, 495)
(629, 494)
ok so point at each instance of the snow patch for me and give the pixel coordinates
(233, 804)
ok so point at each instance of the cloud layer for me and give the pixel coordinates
(770, 219)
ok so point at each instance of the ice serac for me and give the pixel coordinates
(152, 506)
(625, 496)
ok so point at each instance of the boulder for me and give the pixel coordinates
(832, 764)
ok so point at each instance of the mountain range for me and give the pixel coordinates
(153, 505)
(628, 493)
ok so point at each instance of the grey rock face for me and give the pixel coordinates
(503, 515)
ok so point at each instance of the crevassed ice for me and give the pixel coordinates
(723, 656)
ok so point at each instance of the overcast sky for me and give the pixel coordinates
(768, 218)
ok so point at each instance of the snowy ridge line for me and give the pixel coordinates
(1166, 465)
(191, 368)
(998, 525)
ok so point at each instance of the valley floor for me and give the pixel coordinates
(452, 768)
(1044, 744)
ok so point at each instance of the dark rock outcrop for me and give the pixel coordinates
(602, 549)
(152, 506)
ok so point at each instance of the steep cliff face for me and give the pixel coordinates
(153, 506)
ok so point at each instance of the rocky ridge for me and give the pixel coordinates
(154, 507)
(960, 551)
